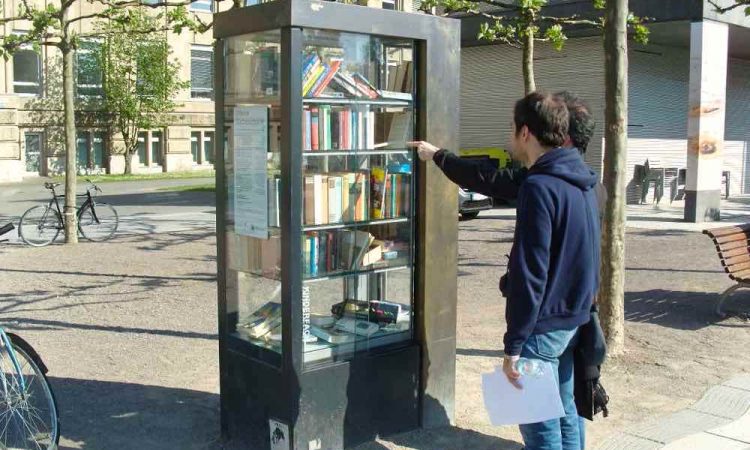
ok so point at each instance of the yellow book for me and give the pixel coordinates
(377, 190)
(313, 79)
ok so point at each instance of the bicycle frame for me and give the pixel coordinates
(89, 201)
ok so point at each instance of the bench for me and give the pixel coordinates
(734, 252)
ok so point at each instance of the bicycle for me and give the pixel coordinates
(40, 225)
(28, 409)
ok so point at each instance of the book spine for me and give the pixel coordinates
(314, 249)
(371, 130)
(361, 129)
(315, 75)
(306, 257)
(323, 254)
(335, 126)
(277, 194)
(329, 127)
(309, 200)
(307, 130)
(272, 205)
(346, 185)
(377, 187)
(319, 81)
(308, 64)
(314, 129)
(333, 69)
(318, 200)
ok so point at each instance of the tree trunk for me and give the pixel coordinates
(529, 85)
(612, 290)
(71, 231)
(128, 162)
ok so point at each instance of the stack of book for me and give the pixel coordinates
(321, 79)
(327, 252)
(328, 128)
(330, 80)
(335, 198)
(400, 77)
(262, 322)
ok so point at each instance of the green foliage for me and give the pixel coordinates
(555, 36)
(139, 77)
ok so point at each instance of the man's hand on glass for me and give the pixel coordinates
(425, 150)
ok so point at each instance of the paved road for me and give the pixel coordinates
(143, 206)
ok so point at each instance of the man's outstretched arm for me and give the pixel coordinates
(480, 175)
(475, 175)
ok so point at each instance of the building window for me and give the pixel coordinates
(142, 138)
(90, 150)
(202, 5)
(150, 148)
(89, 72)
(389, 4)
(202, 147)
(27, 72)
(156, 148)
(195, 146)
(202, 72)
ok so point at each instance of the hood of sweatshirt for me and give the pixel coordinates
(566, 164)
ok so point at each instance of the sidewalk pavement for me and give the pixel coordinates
(718, 421)
(665, 216)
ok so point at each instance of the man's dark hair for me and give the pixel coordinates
(545, 116)
(582, 124)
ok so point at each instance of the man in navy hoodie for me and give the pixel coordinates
(553, 273)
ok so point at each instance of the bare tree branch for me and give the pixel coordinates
(724, 9)
(572, 20)
(498, 3)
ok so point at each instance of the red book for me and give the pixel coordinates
(314, 129)
(329, 76)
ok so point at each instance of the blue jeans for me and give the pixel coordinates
(566, 433)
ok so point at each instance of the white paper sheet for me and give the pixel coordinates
(539, 400)
(250, 174)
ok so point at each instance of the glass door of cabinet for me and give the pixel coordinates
(358, 193)
(254, 194)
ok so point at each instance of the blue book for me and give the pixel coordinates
(314, 250)
(307, 65)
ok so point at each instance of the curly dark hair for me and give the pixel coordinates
(582, 124)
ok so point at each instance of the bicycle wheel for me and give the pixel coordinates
(28, 411)
(39, 226)
(98, 222)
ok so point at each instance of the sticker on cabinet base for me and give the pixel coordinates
(315, 444)
(279, 435)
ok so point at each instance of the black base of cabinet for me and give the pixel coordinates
(331, 408)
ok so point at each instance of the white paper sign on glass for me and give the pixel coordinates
(279, 435)
(250, 143)
(539, 400)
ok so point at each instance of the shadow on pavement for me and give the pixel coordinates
(682, 310)
(446, 438)
(98, 415)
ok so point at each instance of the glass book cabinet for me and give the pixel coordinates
(323, 221)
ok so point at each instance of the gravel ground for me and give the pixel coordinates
(128, 330)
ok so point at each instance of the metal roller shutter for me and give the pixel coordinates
(491, 82)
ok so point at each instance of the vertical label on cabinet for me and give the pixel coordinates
(250, 172)
(279, 435)
(306, 336)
